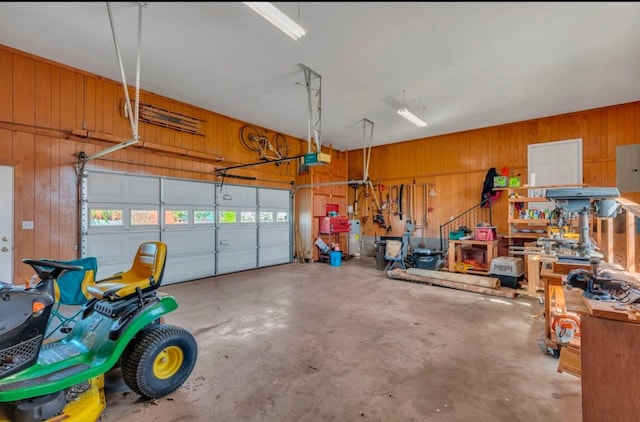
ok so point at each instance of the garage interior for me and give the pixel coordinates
(331, 259)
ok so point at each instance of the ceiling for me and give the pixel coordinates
(460, 65)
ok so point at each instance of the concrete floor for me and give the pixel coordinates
(314, 342)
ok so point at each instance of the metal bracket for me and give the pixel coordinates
(314, 119)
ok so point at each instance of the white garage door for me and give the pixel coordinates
(209, 228)
(274, 228)
(188, 222)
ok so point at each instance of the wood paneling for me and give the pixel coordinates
(23, 90)
(457, 163)
(39, 95)
(43, 102)
(6, 85)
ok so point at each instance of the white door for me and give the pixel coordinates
(554, 163)
(6, 224)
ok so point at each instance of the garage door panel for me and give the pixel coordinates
(122, 188)
(276, 198)
(238, 260)
(274, 255)
(188, 192)
(190, 242)
(237, 196)
(237, 238)
(270, 236)
(181, 268)
(116, 252)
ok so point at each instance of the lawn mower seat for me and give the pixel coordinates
(145, 274)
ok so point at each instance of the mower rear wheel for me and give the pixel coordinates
(159, 360)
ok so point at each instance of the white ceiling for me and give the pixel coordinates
(462, 65)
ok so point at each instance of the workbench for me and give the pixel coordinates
(560, 301)
(604, 353)
(455, 253)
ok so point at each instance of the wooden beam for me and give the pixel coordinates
(631, 242)
(401, 274)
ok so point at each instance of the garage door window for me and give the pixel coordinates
(266, 217)
(103, 217)
(227, 217)
(282, 217)
(172, 217)
(247, 217)
(203, 217)
(144, 217)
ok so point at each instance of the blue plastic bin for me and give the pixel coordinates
(335, 258)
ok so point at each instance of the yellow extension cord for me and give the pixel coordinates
(462, 267)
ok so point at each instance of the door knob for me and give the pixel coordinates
(5, 249)
(5, 239)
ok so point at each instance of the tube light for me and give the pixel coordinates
(277, 18)
(411, 117)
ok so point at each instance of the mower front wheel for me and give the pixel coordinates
(159, 360)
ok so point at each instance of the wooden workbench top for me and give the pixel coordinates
(612, 310)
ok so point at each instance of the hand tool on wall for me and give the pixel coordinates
(392, 199)
(389, 208)
(356, 197)
(400, 192)
(410, 224)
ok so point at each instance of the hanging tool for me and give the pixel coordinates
(400, 191)
(410, 224)
(378, 218)
(365, 217)
(356, 197)
(392, 199)
(389, 207)
(425, 205)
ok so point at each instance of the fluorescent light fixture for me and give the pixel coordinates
(411, 117)
(277, 18)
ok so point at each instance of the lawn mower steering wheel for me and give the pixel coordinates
(50, 269)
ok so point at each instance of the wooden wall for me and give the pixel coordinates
(455, 165)
(49, 113)
(41, 107)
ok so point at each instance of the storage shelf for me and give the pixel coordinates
(528, 199)
(515, 224)
(525, 236)
(527, 187)
(531, 221)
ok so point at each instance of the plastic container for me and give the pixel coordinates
(427, 259)
(335, 258)
(486, 233)
(509, 270)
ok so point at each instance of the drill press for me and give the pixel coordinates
(582, 201)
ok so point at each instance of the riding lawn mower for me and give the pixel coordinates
(122, 325)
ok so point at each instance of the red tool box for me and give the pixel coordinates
(330, 225)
